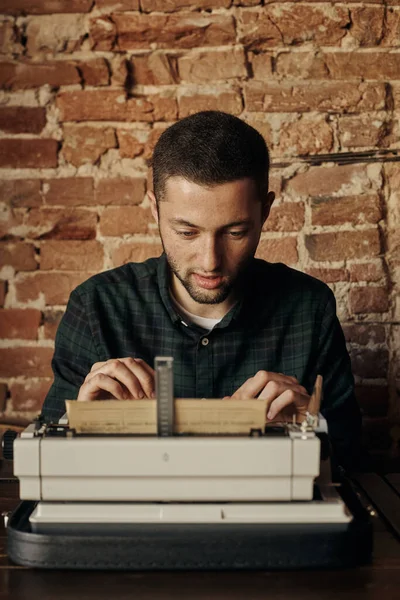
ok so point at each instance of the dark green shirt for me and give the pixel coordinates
(285, 322)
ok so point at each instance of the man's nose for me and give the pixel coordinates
(210, 254)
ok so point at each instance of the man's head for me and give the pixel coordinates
(210, 148)
(210, 201)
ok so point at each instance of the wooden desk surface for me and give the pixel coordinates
(379, 581)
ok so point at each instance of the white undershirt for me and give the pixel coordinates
(203, 322)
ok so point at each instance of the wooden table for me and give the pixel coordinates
(379, 581)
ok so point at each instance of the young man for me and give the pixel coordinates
(236, 326)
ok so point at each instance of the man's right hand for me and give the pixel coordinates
(119, 378)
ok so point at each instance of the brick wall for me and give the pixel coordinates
(89, 85)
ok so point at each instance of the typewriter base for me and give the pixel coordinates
(195, 546)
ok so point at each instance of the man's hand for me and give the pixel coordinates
(283, 393)
(119, 378)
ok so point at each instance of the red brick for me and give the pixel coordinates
(113, 105)
(247, 2)
(61, 224)
(261, 64)
(30, 361)
(72, 256)
(366, 272)
(52, 320)
(18, 255)
(94, 72)
(129, 144)
(19, 193)
(119, 68)
(184, 30)
(118, 4)
(362, 131)
(28, 153)
(17, 323)
(329, 275)
(364, 334)
(320, 96)
(370, 364)
(30, 395)
(103, 34)
(356, 210)
(156, 68)
(210, 65)
(324, 181)
(278, 250)
(301, 65)
(135, 253)
(3, 292)
(3, 396)
(165, 107)
(285, 217)
(117, 221)
(85, 145)
(41, 7)
(22, 119)
(10, 38)
(306, 136)
(63, 33)
(343, 245)
(369, 300)
(363, 65)
(11, 223)
(54, 288)
(292, 24)
(190, 102)
(174, 5)
(25, 75)
(367, 24)
(76, 191)
(262, 123)
(123, 191)
(373, 399)
(391, 36)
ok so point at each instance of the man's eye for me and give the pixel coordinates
(186, 234)
(236, 234)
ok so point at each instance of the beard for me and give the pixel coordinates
(229, 284)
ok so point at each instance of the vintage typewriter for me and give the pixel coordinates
(258, 499)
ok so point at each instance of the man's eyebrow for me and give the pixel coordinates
(242, 222)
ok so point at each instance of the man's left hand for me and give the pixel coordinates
(284, 395)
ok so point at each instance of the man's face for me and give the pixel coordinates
(209, 235)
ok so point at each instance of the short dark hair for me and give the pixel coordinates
(210, 148)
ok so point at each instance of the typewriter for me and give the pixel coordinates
(261, 499)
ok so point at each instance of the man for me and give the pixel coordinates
(236, 326)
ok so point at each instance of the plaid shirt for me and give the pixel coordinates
(285, 322)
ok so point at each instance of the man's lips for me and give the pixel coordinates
(208, 283)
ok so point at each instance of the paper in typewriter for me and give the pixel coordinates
(191, 416)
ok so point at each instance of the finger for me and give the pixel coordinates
(253, 386)
(91, 390)
(123, 374)
(274, 388)
(288, 397)
(144, 373)
(96, 366)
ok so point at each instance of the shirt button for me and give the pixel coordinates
(205, 341)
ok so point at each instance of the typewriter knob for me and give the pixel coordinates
(7, 444)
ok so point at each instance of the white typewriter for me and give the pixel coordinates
(94, 483)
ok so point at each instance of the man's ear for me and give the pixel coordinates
(153, 205)
(267, 205)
